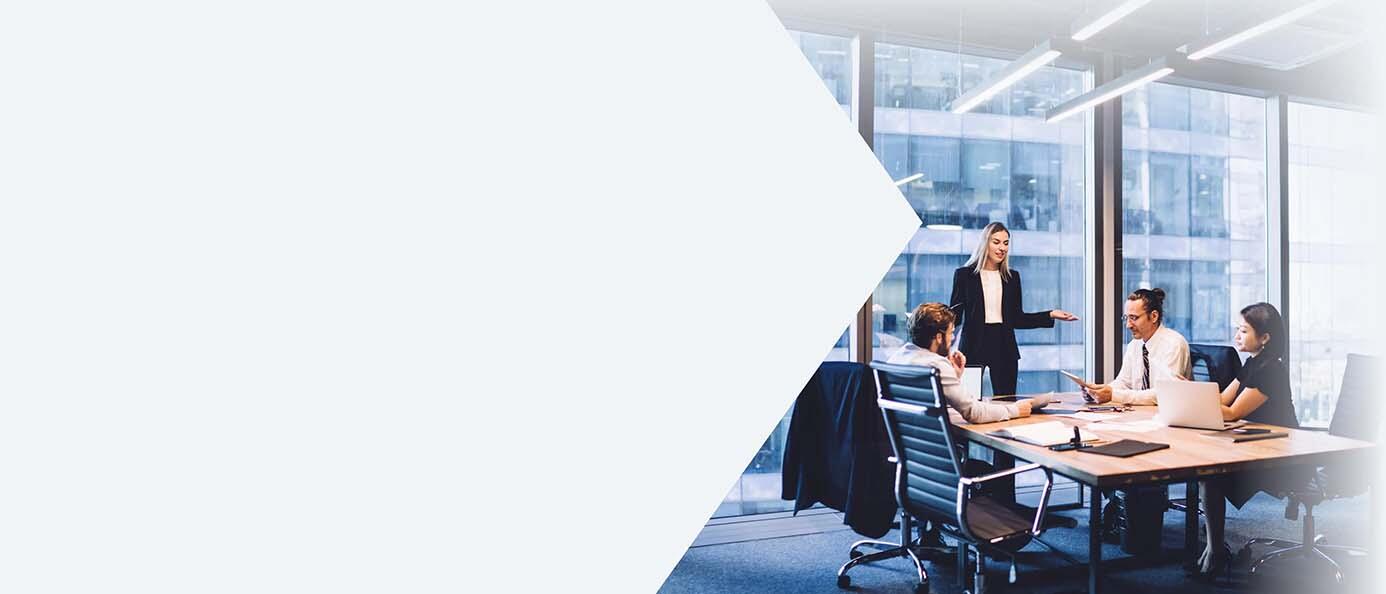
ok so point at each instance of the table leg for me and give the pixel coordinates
(1005, 487)
(1094, 539)
(1191, 519)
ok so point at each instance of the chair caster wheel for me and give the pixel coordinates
(853, 554)
(844, 582)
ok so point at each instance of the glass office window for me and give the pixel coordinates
(758, 488)
(1194, 204)
(1332, 308)
(1000, 162)
(831, 57)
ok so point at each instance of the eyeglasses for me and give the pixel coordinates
(1130, 319)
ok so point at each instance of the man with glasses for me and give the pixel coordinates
(1156, 352)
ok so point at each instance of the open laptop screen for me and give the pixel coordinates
(972, 380)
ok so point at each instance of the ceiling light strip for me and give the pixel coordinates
(1210, 46)
(1037, 57)
(908, 179)
(1084, 29)
(1120, 85)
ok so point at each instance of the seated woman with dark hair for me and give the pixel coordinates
(1260, 394)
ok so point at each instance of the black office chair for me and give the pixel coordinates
(930, 483)
(1356, 416)
(1214, 363)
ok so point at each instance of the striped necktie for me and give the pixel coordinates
(1145, 363)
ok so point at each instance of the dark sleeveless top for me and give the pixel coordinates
(1269, 375)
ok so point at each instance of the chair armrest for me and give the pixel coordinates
(913, 409)
(969, 481)
(966, 483)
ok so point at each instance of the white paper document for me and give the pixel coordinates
(1133, 426)
(1043, 434)
(1082, 383)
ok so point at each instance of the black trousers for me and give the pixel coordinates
(1001, 364)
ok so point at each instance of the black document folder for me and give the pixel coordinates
(1125, 448)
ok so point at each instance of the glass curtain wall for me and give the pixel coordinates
(758, 488)
(831, 57)
(1000, 162)
(1194, 205)
(1332, 307)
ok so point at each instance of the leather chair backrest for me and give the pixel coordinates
(1214, 363)
(1356, 414)
(923, 443)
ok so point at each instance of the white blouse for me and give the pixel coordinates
(991, 293)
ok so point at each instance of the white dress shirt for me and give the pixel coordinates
(1169, 359)
(972, 409)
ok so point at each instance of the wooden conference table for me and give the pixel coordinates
(1193, 454)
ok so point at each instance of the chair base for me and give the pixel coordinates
(895, 550)
(1314, 555)
(1311, 550)
(916, 551)
(890, 550)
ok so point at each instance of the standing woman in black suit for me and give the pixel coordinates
(987, 300)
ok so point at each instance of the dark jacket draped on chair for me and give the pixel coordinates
(837, 449)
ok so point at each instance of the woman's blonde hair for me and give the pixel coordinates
(979, 255)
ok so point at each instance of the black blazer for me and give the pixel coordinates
(970, 306)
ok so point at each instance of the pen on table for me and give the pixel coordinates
(1096, 408)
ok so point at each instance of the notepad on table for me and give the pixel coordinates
(1054, 411)
(1042, 434)
(1236, 436)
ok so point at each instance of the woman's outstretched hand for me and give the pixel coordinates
(1062, 315)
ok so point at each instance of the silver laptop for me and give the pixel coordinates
(1196, 405)
(972, 380)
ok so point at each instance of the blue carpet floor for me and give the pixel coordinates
(809, 563)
